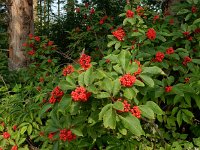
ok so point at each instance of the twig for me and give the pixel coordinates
(3, 81)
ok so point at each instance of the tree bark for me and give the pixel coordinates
(20, 26)
(35, 10)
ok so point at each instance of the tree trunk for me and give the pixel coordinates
(35, 10)
(20, 26)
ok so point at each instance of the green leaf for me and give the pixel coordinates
(139, 83)
(23, 129)
(29, 129)
(45, 108)
(118, 105)
(124, 59)
(196, 61)
(81, 79)
(147, 111)
(188, 113)
(118, 69)
(132, 68)
(116, 87)
(132, 123)
(71, 81)
(177, 90)
(188, 16)
(136, 34)
(65, 103)
(55, 145)
(103, 95)
(107, 85)
(64, 85)
(197, 100)
(196, 21)
(103, 110)
(183, 11)
(109, 119)
(179, 118)
(148, 80)
(152, 70)
(129, 93)
(157, 110)
(111, 43)
(78, 132)
(87, 76)
(117, 45)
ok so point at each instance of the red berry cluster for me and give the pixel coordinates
(51, 135)
(136, 111)
(159, 57)
(186, 60)
(103, 20)
(67, 135)
(129, 14)
(92, 11)
(171, 21)
(156, 17)
(14, 147)
(84, 61)
(119, 34)
(127, 80)
(170, 50)
(126, 106)
(80, 94)
(197, 31)
(14, 127)
(68, 70)
(77, 10)
(194, 9)
(6, 135)
(139, 68)
(168, 89)
(140, 10)
(56, 95)
(151, 34)
(31, 52)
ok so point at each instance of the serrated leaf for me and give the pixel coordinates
(183, 11)
(29, 129)
(147, 112)
(103, 110)
(109, 118)
(124, 59)
(196, 21)
(107, 85)
(81, 79)
(116, 87)
(118, 69)
(23, 129)
(152, 70)
(139, 83)
(133, 67)
(117, 45)
(87, 76)
(103, 95)
(129, 93)
(179, 118)
(118, 105)
(157, 110)
(45, 108)
(132, 124)
(188, 113)
(111, 43)
(77, 132)
(148, 80)
(65, 103)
